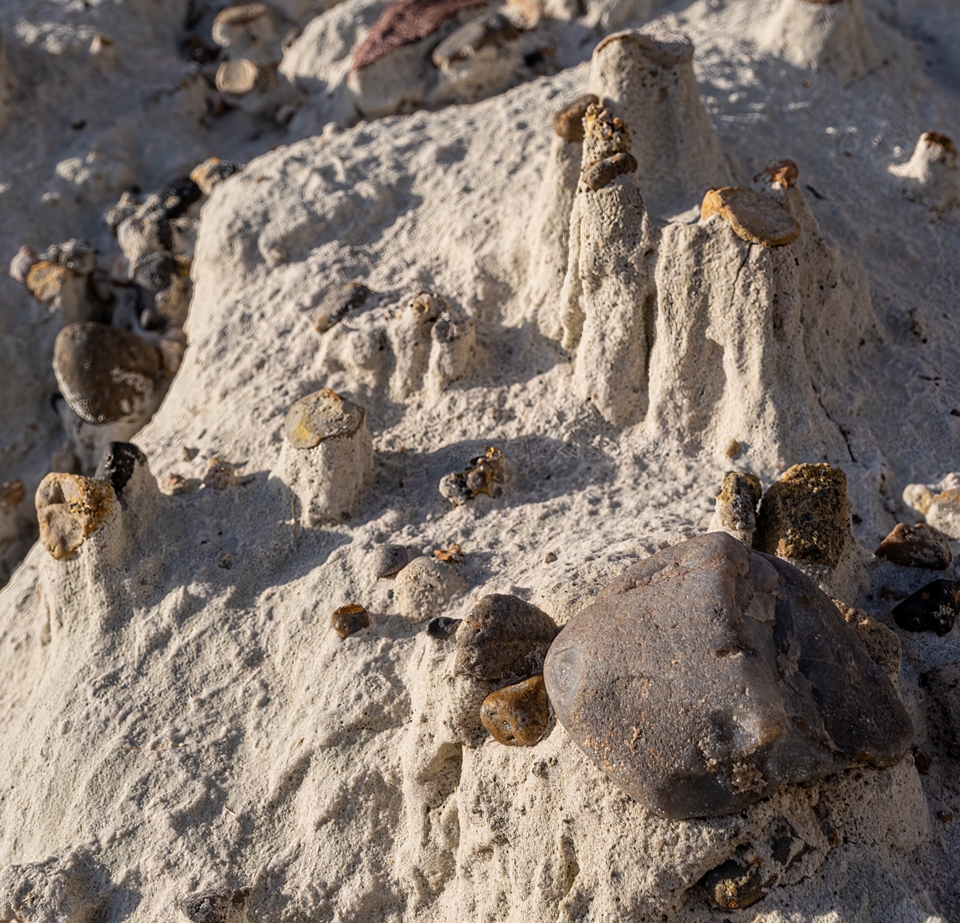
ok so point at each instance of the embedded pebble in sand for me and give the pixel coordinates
(173, 484)
(213, 171)
(339, 302)
(916, 546)
(22, 262)
(707, 676)
(485, 475)
(45, 280)
(105, 374)
(804, 515)
(517, 715)
(389, 560)
(931, 175)
(568, 120)
(226, 906)
(327, 456)
(425, 587)
(737, 502)
(934, 607)
(219, 475)
(119, 466)
(442, 627)
(754, 869)
(603, 172)
(503, 637)
(166, 289)
(753, 216)
(76, 255)
(348, 620)
(70, 508)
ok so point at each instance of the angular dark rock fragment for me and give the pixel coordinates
(934, 607)
(707, 676)
(119, 461)
(503, 637)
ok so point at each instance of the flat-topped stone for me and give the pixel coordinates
(319, 416)
(753, 217)
(708, 675)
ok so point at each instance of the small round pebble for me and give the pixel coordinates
(518, 715)
(442, 627)
(348, 620)
(389, 560)
(568, 121)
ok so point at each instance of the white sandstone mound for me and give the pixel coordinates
(826, 35)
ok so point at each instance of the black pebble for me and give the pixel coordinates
(442, 627)
(935, 607)
(118, 463)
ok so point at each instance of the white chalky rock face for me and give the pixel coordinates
(647, 78)
(931, 175)
(327, 456)
(826, 35)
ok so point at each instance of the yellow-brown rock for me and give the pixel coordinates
(70, 509)
(517, 715)
(753, 216)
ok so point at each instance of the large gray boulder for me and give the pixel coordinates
(708, 675)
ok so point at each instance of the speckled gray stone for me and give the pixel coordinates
(708, 675)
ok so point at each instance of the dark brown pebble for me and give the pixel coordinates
(934, 607)
(568, 121)
(916, 546)
(442, 627)
(348, 620)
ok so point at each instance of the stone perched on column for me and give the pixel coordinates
(327, 457)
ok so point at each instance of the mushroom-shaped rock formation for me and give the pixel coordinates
(608, 294)
(327, 456)
(826, 35)
(647, 78)
(70, 508)
(549, 231)
(389, 72)
(755, 340)
(709, 675)
(434, 345)
(931, 175)
(753, 216)
(105, 374)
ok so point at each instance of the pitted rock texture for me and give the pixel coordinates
(804, 515)
(70, 509)
(916, 546)
(503, 637)
(707, 676)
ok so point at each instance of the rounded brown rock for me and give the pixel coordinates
(916, 546)
(753, 217)
(518, 715)
(45, 279)
(70, 508)
(503, 637)
(606, 170)
(348, 620)
(319, 416)
(104, 373)
(568, 120)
